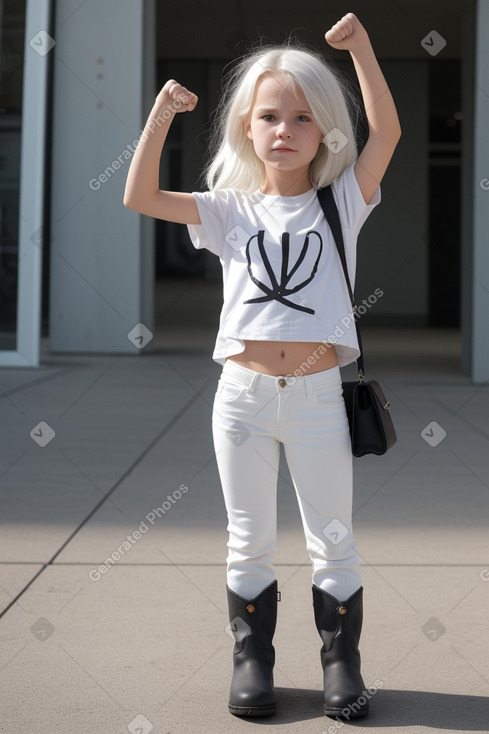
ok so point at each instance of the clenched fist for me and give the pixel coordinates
(179, 98)
(347, 34)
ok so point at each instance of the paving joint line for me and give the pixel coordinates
(128, 471)
(37, 381)
(216, 564)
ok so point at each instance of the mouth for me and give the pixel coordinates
(283, 149)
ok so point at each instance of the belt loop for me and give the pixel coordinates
(251, 386)
(309, 386)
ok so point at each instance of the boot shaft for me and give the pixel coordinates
(257, 617)
(335, 619)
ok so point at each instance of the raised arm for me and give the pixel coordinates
(142, 191)
(383, 123)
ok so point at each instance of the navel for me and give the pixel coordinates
(282, 354)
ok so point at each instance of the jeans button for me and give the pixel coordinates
(282, 382)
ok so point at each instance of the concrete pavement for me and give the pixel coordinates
(113, 542)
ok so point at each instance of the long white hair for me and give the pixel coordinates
(234, 163)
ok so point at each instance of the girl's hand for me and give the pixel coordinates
(177, 98)
(347, 34)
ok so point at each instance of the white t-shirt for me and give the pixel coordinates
(282, 275)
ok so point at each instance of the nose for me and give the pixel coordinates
(283, 131)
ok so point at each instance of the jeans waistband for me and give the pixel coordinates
(310, 384)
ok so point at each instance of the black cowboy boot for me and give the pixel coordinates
(340, 624)
(253, 626)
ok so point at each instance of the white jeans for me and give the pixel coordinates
(253, 413)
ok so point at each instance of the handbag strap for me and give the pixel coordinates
(328, 205)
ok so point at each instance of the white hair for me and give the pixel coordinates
(234, 163)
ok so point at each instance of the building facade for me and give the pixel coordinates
(78, 77)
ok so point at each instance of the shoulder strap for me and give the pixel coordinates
(328, 205)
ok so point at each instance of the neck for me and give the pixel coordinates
(286, 183)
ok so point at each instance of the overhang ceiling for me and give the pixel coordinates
(223, 29)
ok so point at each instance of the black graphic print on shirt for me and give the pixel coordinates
(278, 289)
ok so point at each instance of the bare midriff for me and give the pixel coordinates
(286, 358)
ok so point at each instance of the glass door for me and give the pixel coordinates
(24, 57)
(12, 32)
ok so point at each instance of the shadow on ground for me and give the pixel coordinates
(388, 708)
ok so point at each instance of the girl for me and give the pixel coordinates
(284, 132)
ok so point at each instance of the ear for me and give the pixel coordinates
(249, 134)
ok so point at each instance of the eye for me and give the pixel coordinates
(267, 118)
(303, 118)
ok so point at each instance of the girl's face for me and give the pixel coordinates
(284, 134)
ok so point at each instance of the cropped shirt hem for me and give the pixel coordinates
(346, 355)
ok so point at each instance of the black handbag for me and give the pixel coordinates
(371, 427)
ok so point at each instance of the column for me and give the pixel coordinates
(101, 270)
(480, 254)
